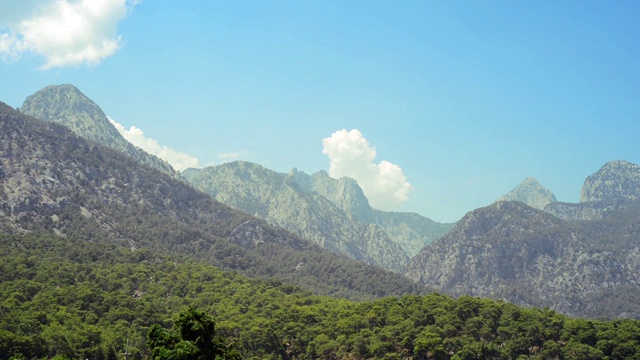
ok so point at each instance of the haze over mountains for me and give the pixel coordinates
(333, 213)
(581, 259)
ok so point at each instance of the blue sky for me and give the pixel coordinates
(461, 99)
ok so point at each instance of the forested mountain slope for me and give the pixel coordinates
(87, 300)
(511, 251)
(54, 180)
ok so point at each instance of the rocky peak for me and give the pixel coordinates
(615, 180)
(531, 193)
(67, 105)
(345, 193)
(301, 178)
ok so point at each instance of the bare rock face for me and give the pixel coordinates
(512, 251)
(334, 213)
(280, 200)
(615, 180)
(409, 230)
(67, 105)
(531, 193)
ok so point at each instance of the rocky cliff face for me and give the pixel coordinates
(531, 193)
(282, 201)
(512, 251)
(409, 230)
(615, 180)
(66, 105)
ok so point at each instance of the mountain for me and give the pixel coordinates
(334, 213)
(54, 181)
(615, 180)
(190, 173)
(280, 200)
(67, 105)
(512, 251)
(531, 193)
(614, 187)
(409, 230)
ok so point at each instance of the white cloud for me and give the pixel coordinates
(65, 32)
(350, 155)
(178, 160)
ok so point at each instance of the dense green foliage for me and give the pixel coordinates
(78, 299)
(193, 337)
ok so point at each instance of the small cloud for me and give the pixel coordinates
(229, 156)
(350, 155)
(178, 160)
(65, 32)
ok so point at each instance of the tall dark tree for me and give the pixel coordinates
(192, 337)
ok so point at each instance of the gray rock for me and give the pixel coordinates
(66, 105)
(615, 180)
(531, 193)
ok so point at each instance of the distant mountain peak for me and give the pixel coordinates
(530, 192)
(615, 180)
(67, 105)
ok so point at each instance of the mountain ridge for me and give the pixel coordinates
(57, 182)
(67, 105)
(333, 212)
(280, 200)
(512, 251)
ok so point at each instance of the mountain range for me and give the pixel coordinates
(527, 248)
(57, 182)
(583, 263)
(332, 212)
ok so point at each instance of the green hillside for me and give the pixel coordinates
(76, 299)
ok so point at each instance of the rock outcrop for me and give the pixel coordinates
(615, 180)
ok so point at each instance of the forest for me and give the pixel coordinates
(73, 299)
